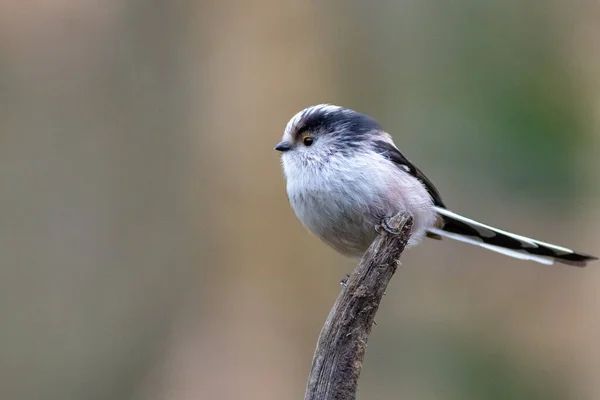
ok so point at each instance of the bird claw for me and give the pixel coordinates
(385, 225)
(345, 280)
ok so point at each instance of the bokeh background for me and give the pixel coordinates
(147, 249)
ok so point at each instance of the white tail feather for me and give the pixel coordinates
(501, 250)
(523, 239)
(478, 234)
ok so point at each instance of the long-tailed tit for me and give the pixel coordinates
(345, 178)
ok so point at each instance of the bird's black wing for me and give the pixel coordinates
(389, 151)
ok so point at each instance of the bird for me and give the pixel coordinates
(345, 179)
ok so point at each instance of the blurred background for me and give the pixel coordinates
(147, 248)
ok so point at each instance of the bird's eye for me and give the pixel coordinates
(307, 140)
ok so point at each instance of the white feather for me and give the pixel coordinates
(501, 250)
(525, 240)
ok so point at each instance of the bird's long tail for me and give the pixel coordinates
(466, 230)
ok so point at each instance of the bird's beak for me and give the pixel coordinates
(283, 146)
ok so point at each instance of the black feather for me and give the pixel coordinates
(500, 239)
(328, 121)
(390, 151)
(350, 127)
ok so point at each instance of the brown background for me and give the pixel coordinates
(147, 250)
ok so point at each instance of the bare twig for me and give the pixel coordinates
(342, 343)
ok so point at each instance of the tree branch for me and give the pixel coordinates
(338, 359)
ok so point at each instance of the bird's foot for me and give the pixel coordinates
(345, 280)
(386, 226)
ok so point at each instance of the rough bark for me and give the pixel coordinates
(341, 347)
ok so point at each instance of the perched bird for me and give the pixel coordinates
(346, 178)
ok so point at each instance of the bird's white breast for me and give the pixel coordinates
(343, 199)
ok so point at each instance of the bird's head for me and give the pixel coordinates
(319, 132)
